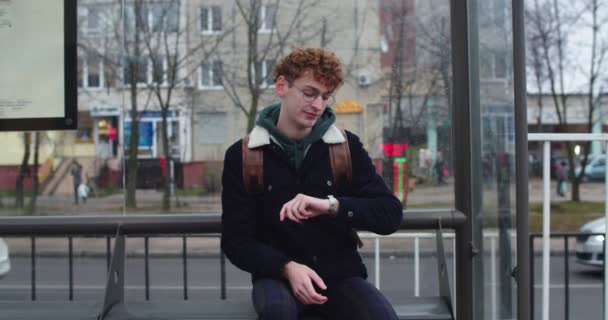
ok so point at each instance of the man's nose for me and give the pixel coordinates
(318, 103)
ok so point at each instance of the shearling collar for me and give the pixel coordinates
(260, 137)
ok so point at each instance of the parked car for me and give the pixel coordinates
(5, 264)
(590, 248)
(595, 168)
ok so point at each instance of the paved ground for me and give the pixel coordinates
(149, 201)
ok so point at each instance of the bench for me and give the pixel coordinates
(115, 307)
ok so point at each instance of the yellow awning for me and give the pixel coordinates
(348, 106)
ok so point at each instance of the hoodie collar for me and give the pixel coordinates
(260, 136)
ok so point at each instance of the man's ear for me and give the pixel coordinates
(281, 86)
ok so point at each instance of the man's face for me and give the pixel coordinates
(303, 101)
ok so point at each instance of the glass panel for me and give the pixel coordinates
(217, 18)
(409, 120)
(205, 75)
(494, 226)
(205, 19)
(217, 73)
(396, 97)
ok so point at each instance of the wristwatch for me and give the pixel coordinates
(333, 205)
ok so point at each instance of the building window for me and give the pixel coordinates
(164, 16)
(496, 12)
(267, 17)
(263, 73)
(90, 71)
(90, 19)
(155, 17)
(139, 67)
(493, 65)
(211, 127)
(211, 75)
(211, 19)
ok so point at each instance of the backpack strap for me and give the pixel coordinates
(342, 169)
(341, 163)
(253, 168)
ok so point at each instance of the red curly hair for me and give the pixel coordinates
(324, 64)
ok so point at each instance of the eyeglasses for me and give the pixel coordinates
(309, 95)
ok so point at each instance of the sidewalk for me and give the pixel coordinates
(149, 202)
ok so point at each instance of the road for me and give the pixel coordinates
(166, 282)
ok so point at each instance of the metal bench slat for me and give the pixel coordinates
(422, 308)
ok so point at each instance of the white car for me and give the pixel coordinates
(5, 264)
(590, 248)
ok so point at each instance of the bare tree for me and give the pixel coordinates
(167, 45)
(157, 42)
(551, 22)
(23, 171)
(118, 43)
(267, 38)
(35, 181)
(414, 81)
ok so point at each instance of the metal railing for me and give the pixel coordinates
(565, 236)
(184, 256)
(183, 226)
(547, 139)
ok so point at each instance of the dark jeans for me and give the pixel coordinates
(352, 299)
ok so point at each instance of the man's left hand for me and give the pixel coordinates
(304, 207)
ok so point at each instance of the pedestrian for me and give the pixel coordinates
(295, 236)
(439, 170)
(562, 177)
(76, 172)
(83, 192)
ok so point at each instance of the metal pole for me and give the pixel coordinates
(33, 279)
(605, 236)
(531, 315)
(71, 268)
(546, 226)
(416, 267)
(107, 253)
(185, 264)
(377, 262)
(524, 295)
(222, 275)
(567, 280)
(147, 267)
(454, 271)
(493, 275)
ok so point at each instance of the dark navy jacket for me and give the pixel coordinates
(256, 241)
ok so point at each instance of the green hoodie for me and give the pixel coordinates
(295, 150)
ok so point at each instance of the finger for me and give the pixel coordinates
(285, 210)
(303, 209)
(302, 297)
(298, 207)
(313, 295)
(315, 277)
(291, 216)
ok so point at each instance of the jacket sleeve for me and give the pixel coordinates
(370, 206)
(238, 239)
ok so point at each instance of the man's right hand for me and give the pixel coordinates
(301, 279)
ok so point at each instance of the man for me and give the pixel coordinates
(295, 236)
(76, 172)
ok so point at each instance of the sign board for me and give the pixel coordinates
(38, 82)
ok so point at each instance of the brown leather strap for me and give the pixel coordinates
(341, 164)
(253, 168)
(342, 169)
